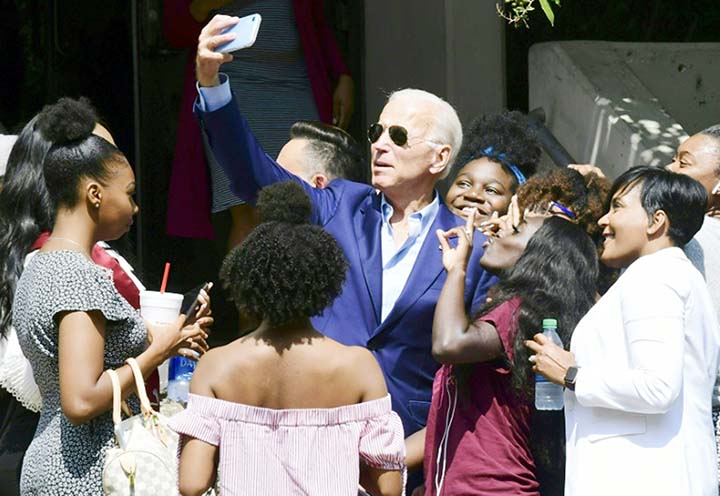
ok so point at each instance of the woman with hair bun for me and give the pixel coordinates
(284, 409)
(72, 323)
(26, 218)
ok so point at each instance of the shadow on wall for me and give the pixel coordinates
(650, 142)
(614, 104)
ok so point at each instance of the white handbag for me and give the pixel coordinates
(144, 459)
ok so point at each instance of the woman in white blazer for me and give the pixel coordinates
(640, 371)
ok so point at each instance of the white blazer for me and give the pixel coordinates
(639, 421)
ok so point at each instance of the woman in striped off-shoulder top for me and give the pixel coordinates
(284, 409)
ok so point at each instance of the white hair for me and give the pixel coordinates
(444, 125)
(6, 143)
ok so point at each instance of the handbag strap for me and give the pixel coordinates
(117, 396)
(140, 386)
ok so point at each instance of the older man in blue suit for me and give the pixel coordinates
(387, 230)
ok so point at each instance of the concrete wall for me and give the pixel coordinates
(454, 48)
(685, 77)
(622, 104)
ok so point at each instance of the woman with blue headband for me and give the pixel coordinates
(498, 154)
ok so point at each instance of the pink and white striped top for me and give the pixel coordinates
(297, 451)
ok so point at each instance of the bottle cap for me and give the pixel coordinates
(549, 323)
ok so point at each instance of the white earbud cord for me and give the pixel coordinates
(442, 450)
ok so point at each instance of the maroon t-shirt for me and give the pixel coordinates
(487, 449)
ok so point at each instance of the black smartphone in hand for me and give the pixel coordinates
(192, 309)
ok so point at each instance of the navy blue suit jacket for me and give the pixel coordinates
(351, 212)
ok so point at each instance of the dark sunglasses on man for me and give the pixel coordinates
(398, 134)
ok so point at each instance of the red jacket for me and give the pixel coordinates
(189, 197)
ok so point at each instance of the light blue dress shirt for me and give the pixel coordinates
(397, 263)
(214, 97)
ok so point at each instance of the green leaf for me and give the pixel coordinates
(545, 4)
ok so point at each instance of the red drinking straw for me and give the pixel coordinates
(165, 277)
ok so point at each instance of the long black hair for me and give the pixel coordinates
(25, 211)
(57, 145)
(555, 277)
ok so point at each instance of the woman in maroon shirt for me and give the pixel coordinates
(478, 438)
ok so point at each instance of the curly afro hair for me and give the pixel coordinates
(284, 202)
(503, 138)
(286, 268)
(67, 120)
(585, 196)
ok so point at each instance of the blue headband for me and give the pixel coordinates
(563, 209)
(489, 152)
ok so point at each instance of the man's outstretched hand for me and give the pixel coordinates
(208, 61)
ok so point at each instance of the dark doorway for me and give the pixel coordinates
(115, 54)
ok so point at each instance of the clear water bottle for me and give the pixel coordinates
(548, 395)
(179, 374)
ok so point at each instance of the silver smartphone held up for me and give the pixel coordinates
(245, 32)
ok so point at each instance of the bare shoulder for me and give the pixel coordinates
(362, 357)
(367, 369)
(209, 369)
(356, 358)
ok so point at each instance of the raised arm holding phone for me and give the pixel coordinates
(385, 229)
(294, 64)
